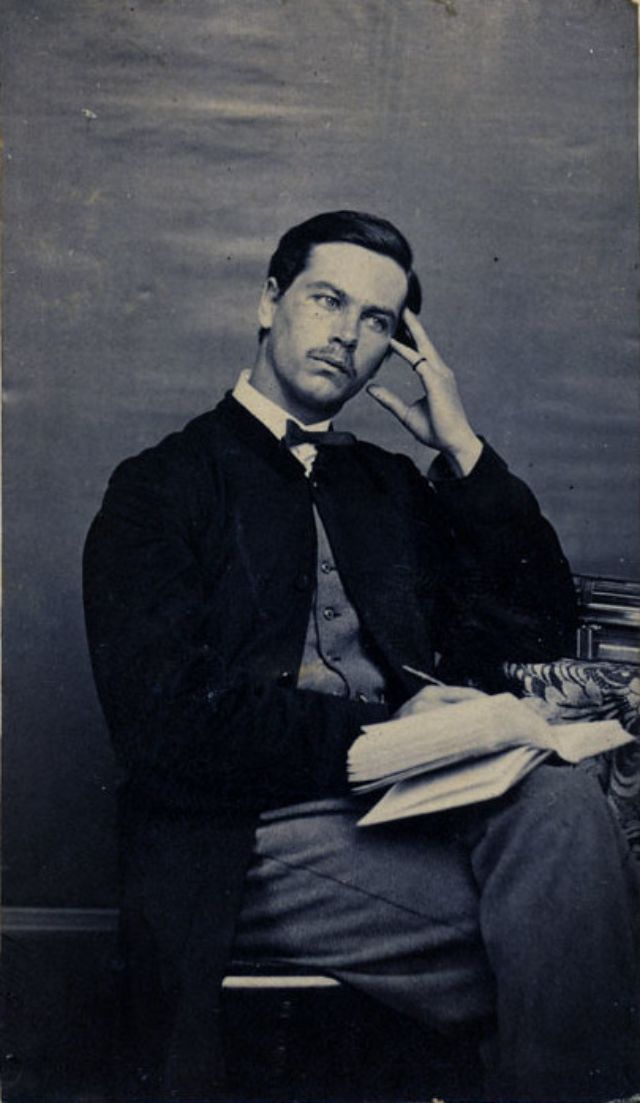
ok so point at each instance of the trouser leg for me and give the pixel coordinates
(394, 912)
(559, 909)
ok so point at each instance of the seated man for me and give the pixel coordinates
(255, 589)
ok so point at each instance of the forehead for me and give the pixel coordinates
(363, 275)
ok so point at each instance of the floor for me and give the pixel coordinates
(60, 999)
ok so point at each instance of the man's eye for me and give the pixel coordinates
(378, 323)
(330, 301)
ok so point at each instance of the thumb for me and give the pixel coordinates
(389, 401)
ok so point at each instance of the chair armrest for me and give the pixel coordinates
(577, 689)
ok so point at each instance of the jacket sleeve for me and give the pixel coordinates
(509, 594)
(190, 733)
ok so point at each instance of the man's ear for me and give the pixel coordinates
(268, 303)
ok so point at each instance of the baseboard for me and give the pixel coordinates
(17, 920)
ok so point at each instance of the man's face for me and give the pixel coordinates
(329, 332)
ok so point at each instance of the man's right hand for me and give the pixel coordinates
(433, 697)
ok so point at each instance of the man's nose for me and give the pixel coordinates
(346, 328)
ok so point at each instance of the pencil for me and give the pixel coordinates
(421, 674)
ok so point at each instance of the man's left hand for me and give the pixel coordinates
(437, 419)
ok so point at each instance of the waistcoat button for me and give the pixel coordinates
(328, 612)
(326, 567)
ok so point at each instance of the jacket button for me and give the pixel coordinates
(285, 679)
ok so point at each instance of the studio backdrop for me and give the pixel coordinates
(155, 150)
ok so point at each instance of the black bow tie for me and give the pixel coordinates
(296, 435)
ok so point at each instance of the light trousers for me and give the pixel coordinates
(521, 912)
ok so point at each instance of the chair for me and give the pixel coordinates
(291, 1035)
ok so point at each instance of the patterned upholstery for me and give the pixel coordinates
(575, 689)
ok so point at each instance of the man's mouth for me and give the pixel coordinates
(342, 364)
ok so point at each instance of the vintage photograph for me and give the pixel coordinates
(321, 604)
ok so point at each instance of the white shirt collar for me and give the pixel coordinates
(268, 412)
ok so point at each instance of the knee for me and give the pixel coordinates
(555, 829)
(563, 812)
(561, 792)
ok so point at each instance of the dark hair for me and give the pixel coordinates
(354, 228)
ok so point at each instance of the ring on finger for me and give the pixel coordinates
(422, 360)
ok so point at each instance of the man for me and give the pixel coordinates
(254, 594)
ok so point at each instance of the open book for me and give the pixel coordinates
(463, 753)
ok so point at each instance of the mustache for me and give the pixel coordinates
(341, 358)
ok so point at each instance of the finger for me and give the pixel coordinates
(436, 697)
(406, 352)
(413, 324)
(389, 400)
(420, 335)
(419, 361)
(449, 695)
(417, 331)
(425, 356)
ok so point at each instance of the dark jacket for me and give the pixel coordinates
(199, 575)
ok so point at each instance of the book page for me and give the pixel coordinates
(482, 779)
(446, 734)
(435, 740)
(573, 742)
